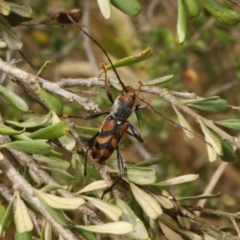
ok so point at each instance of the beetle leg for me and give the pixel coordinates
(95, 115)
(135, 133)
(120, 174)
(109, 94)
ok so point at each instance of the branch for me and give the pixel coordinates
(237, 2)
(30, 82)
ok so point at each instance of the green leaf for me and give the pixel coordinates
(23, 236)
(20, 9)
(145, 54)
(51, 187)
(165, 202)
(63, 203)
(61, 176)
(22, 218)
(13, 98)
(229, 123)
(87, 235)
(51, 132)
(6, 217)
(206, 105)
(148, 162)
(203, 196)
(112, 211)
(182, 22)
(9, 37)
(141, 175)
(140, 120)
(222, 14)
(53, 162)
(213, 144)
(192, 8)
(5, 130)
(115, 228)
(139, 231)
(105, 8)
(20, 12)
(188, 234)
(129, 7)
(148, 203)
(29, 146)
(228, 153)
(33, 121)
(97, 185)
(184, 123)
(4, 8)
(177, 180)
(158, 80)
(52, 102)
(57, 215)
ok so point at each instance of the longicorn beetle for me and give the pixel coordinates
(115, 124)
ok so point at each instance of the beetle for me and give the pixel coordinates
(115, 124)
(114, 127)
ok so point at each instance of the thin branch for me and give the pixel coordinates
(237, 2)
(213, 182)
(30, 81)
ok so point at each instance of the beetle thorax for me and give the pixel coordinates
(124, 105)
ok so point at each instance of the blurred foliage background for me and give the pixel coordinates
(207, 63)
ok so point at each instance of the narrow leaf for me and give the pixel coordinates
(189, 235)
(129, 7)
(149, 205)
(21, 9)
(229, 123)
(222, 14)
(33, 121)
(177, 180)
(115, 228)
(5, 130)
(158, 80)
(211, 139)
(29, 146)
(97, 185)
(141, 175)
(6, 217)
(53, 103)
(51, 132)
(105, 8)
(192, 8)
(62, 203)
(182, 22)
(22, 219)
(8, 36)
(139, 231)
(53, 162)
(4, 8)
(209, 105)
(145, 54)
(164, 201)
(112, 211)
(13, 98)
(23, 236)
(183, 122)
(148, 162)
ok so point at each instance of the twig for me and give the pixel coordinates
(237, 2)
(214, 180)
(30, 82)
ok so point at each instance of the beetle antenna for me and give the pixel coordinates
(103, 50)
